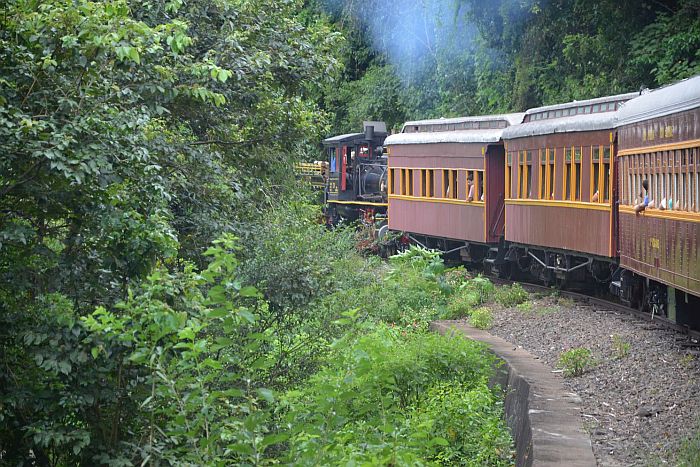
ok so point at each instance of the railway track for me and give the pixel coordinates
(693, 337)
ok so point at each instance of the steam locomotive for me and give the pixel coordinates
(356, 186)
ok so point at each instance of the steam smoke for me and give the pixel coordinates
(415, 34)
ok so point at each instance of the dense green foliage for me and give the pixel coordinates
(166, 293)
(472, 57)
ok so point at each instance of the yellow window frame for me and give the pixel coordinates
(509, 168)
(390, 180)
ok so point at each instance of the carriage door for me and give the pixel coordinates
(495, 200)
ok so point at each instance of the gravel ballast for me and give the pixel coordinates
(640, 398)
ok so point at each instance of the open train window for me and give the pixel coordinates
(596, 168)
(683, 198)
(431, 183)
(606, 173)
(332, 158)
(525, 175)
(528, 175)
(449, 184)
(475, 192)
(551, 171)
(543, 173)
(509, 169)
(577, 174)
(567, 173)
(479, 185)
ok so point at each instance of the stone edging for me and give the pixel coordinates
(543, 417)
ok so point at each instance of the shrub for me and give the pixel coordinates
(469, 420)
(377, 401)
(620, 346)
(576, 361)
(511, 296)
(454, 277)
(689, 453)
(483, 287)
(525, 307)
(481, 318)
(461, 304)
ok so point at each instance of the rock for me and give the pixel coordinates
(647, 411)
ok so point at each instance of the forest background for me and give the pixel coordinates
(164, 284)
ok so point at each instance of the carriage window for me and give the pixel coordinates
(606, 173)
(596, 108)
(525, 175)
(542, 155)
(682, 205)
(551, 172)
(449, 183)
(674, 192)
(630, 188)
(407, 182)
(528, 175)
(509, 168)
(577, 173)
(476, 190)
(521, 173)
(567, 173)
(427, 183)
(596, 168)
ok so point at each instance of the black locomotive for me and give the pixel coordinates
(356, 186)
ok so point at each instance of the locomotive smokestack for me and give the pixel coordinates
(369, 132)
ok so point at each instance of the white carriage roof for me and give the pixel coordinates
(598, 100)
(579, 122)
(457, 136)
(480, 135)
(674, 98)
(512, 119)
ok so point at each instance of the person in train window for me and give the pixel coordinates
(470, 185)
(595, 197)
(645, 198)
(481, 189)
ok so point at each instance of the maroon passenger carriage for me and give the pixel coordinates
(560, 192)
(430, 163)
(659, 136)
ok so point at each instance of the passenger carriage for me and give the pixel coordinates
(560, 190)
(659, 134)
(430, 163)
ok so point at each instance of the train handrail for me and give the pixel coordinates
(502, 203)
